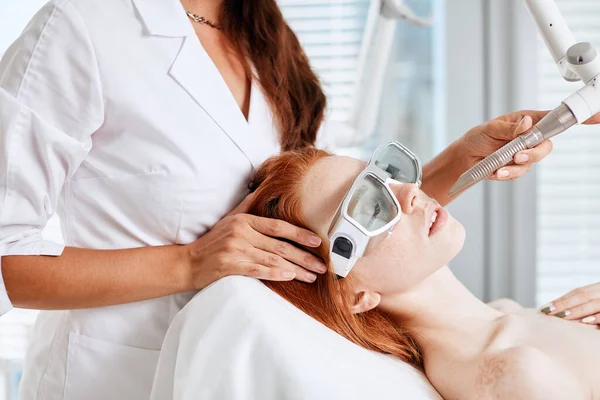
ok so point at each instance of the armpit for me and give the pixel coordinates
(525, 373)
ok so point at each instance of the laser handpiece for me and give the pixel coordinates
(557, 121)
(575, 61)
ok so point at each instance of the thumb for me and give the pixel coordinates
(243, 207)
(523, 126)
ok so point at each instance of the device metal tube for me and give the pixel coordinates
(555, 122)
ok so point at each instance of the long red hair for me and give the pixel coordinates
(276, 188)
(258, 31)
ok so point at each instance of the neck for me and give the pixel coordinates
(444, 315)
(210, 9)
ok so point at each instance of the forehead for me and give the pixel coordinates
(324, 188)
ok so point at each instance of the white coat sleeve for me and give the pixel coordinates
(50, 104)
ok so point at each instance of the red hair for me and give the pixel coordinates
(276, 187)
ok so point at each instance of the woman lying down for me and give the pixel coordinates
(389, 290)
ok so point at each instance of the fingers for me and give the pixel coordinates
(280, 268)
(241, 245)
(595, 119)
(515, 117)
(534, 155)
(583, 310)
(523, 126)
(576, 303)
(524, 161)
(511, 172)
(592, 320)
(503, 131)
(283, 230)
(291, 253)
(261, 272)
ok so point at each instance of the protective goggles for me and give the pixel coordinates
(370, 209)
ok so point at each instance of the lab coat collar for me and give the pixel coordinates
(164, 17)
(195, 71)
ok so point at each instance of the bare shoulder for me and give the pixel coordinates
(525, 373)
(505, 305)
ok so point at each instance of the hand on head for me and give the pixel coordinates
(254, 246)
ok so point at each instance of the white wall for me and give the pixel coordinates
(491, 68)
(465, 109)
(511, 72)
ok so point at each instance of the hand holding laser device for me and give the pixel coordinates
(575, 61)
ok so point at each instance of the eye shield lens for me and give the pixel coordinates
(371, 205)
(399, 165)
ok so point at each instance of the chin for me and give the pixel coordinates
(454, 239)
(458, 235)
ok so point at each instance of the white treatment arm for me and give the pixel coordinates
(373, 61)
(575, 61)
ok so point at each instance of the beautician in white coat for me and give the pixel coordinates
(141, 128)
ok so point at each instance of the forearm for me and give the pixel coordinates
(442, 172)
(85, 278)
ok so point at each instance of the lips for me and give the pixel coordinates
(437, 220)
(433, 218)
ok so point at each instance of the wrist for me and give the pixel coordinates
(450, 163)
(442, 172)
(183, 268)
(461, 158)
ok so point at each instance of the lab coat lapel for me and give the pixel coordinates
(194, 70)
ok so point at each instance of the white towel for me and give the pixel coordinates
(237, 339)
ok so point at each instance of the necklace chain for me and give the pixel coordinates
(202, 20)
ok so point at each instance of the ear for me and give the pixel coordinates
(365, 301)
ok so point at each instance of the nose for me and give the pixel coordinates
(407, 196)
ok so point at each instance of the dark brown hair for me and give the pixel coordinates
(276, 188)
(291, 87)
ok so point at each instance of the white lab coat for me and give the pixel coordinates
(113, 116)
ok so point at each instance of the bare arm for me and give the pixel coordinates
(442, 172)
(84, 278)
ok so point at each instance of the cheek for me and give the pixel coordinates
(404, 259)
(399, 262)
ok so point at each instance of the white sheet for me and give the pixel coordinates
(239, 340)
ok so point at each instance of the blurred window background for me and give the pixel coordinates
(333, 36)
(568, 189)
